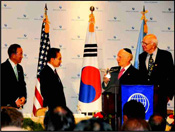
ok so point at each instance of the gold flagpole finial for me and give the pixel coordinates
(46, 20)
(91, 19)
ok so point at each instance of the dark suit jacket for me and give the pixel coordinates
(51, 88)
(161, 75)
(11, 89)
(130, 77)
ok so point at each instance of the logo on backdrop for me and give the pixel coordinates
(170, 49)
(78, 56)
(151, 19)
(114, 38)
(77, 76)
(114, 19)
(23, 37)
(78, 18)
(6, 6)
(98, 28)
(5, 46)
(168, 29)
(61, 47)
(133, 10)
(40, 18)
(60, 28)
(59, 8)
(98, 9)
(168, 10)
(132, 29)
(140, 98)
(62, 66)
(6, 26)
(25, 56)
(77, 37)
(112, 58)
(23, 17)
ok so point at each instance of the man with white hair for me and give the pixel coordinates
(156, 68)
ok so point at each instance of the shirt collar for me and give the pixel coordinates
(126, 67)
(51, 66)
(12, 63)
(154, 54)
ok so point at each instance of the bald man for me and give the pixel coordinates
(125, 73)
(156, 68)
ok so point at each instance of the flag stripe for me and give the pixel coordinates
(90, 55)
(38, 96)
(34, 110)
(90, 45)
(90, 50)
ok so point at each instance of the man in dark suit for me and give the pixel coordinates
(13, 86)
(50, 83)
(124, 74)
(156, 68)
(130, 74)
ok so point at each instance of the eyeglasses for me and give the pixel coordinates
(143, 43)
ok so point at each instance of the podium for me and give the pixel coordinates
(111, 105)
(114, 98)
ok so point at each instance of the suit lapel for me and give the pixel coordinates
(126, 73)
(11, 71)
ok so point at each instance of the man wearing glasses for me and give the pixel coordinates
(156, 68)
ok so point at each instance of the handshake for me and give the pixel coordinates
(20, 102)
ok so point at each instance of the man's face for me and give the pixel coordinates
(57, 61)
(147, 45)
(17, 57)
(122, 58)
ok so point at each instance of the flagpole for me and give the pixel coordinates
(143, 32)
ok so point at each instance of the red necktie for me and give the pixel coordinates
(121, 73)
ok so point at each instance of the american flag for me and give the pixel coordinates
(42, 61)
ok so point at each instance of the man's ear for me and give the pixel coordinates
(125, 118)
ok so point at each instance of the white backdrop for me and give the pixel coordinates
(117, 26)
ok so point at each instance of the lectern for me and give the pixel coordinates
(111, 104)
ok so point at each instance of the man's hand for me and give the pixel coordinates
(23, 99)
(105, 79)
(20, 102)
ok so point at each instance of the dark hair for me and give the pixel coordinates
(61, 119)
(5, 118)
(93, 124)
(157, 122)
(16, 117)
(134, 109)
(52, 53)
(12, 49)
(134, 124)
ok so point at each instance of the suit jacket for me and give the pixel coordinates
(130, 77)
(11, 89)
(51, 88)
(161, 76)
